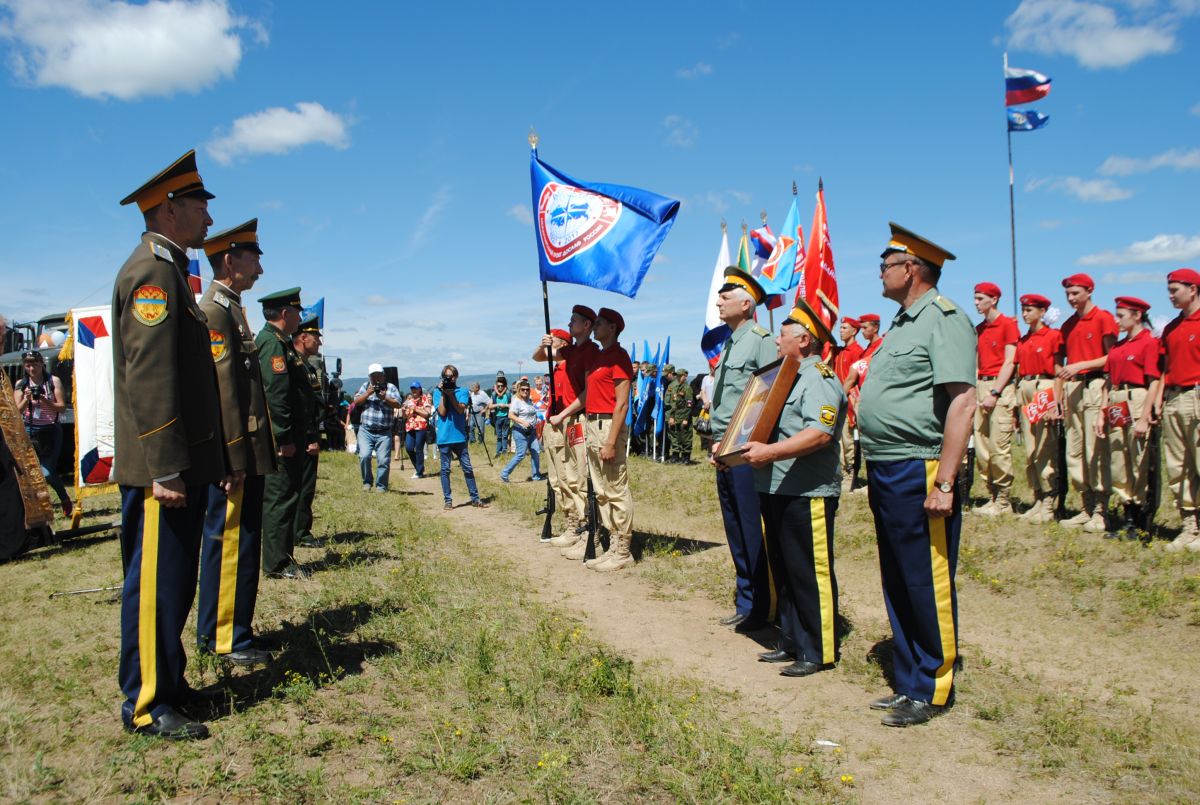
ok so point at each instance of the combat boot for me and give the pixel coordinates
(1085, 514)
(1189, 534)
(1097, 523)
(1031, 514)
(1048, 512)
(577, 549)
(569, 536)
(618, 557)
(1002, 504)
(593, 564)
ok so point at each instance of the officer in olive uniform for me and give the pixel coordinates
(915, 417)
(168, 446)
(230, 551)
(677, 408)
(307, 342)
(285, 381)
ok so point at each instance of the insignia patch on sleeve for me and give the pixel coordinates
(828, 415)
(150, 305)
(278, 364)
(220, 349)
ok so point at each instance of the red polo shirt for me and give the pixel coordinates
(570, 372)
(993, 337)
(604, 369)
(1134, 360)
(845, 358)
(1037, 352)
(1181, 350)
(1084, 335)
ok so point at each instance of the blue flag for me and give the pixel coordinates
(317, 307)
(600, 235)
(1026, 120)
(658, 387)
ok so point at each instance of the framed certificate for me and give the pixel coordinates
(758, 411)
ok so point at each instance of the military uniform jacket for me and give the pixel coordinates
(249, 447)
(167, 411)
(313, 400)
(749, 349)
(285, 381)
(678, 404)
(816, 402)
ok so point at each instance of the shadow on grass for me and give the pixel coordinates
(880, 654)
(333, 558)
(69, 545)
(645, 542)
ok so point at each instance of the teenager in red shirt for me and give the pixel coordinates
(1038, 356)
(1179, 397)
(996, 347)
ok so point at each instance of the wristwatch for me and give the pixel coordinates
(995, 393)
(944, 486)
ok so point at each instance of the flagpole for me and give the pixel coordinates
(1012, 215)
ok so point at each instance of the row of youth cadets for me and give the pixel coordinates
(216, 448)
(1108, 396)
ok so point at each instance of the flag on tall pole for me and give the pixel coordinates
(1026, 120)
(1023, 86)
(715, 330)
(820, 288)
(1020, 86)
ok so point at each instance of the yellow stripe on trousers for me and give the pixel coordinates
(227, 590)
(147, 611)
(821, 569)
(939, 562)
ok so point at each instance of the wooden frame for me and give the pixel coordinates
(758, 411)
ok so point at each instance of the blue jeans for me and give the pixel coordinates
(379, 443)
(475, 428)
(47, 442)
(526, 443)
(502, 426)
(414, 445)
(449, 452)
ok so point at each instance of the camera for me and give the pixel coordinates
(448, 383)
(379, 388)
(36, 392)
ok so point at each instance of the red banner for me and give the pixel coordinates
(1118, 416)
(1043, 404)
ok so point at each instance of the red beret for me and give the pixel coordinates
(988, 289)
(561, 334)
(1035, 300)
(585, 311)
(852, 322)
(1132, 303)
(1082, 280)
(869, 317)
(1188, 276)
(613, 317)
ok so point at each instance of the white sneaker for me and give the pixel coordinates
(416, 475)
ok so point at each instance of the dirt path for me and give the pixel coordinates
(949, 759)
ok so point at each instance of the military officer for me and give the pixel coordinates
(677, 408)
(230, 551)
(285, 381)
(798, 479)
(307, 343)
(687, 420)
(1039, 354)
(748, 349)
(168, 445)
(917, 405)
(1180, 403)
(995, 399)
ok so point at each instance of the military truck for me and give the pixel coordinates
(46, 335)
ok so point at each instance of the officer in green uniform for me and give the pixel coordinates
(231, 549)
(168, 446)
(677, 408)
(915, 417)
(307, 342)
(285, 381)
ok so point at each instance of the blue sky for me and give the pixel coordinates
(382, 147)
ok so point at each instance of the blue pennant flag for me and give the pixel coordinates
(1026, 120)
(317, 307)
(600, 235)
(658, 388)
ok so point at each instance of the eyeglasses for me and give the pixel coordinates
(885, 266)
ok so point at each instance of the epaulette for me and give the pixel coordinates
(824, 369)
(222, 300)
(761, 331)
(161, 251)
(945, 304)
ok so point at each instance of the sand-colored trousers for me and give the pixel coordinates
(1041, 441)
(993, 436)
(1129, 459)
(1087, 456)
(610, 480)
(567, 467)
(1181, 445)
(847, 451)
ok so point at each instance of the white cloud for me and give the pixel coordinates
(379, 300)
(1158, 249)
(278, 130)
(726, 41)
(695, 71)
(124, 50)
(1095, 33)
(681, 132)
(1086, 190)
(1131, 277)
(1175, 158)
(719, 201)
(520, 212)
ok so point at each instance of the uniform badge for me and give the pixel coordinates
(150, 305)
(828, 415)
(278, 364)
(220, 349)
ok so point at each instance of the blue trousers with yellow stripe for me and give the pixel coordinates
(800, 529)
(754, 595)
(160, 585)
(918, 556)
(229, 565)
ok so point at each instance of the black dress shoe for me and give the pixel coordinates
(173, 726)
(778, 655)
(889, 702)
(733, 620)
(292, 571)
(308, 542)
(802, 668)
(749, 624)
(910, 713)
(248, 657)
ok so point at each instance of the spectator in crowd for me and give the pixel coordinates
(40, 399)
(377, 401)
(450, 420)
(478, 413)
(501, 398)
(416, 411)
(523, 416)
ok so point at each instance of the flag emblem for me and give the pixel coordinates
(150, 305)
(571, 221)
(219, 349)
(90, 328)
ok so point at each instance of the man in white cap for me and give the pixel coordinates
(378, 400)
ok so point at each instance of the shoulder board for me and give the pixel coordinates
(824, 369)
(161, 251)
(760, 331)
(222, 300)
(945, 304)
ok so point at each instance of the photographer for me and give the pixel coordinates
(450, 421)
(378, 401)
(40, 399)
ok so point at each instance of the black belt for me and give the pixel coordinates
(1188, 387)
(1128, 386)
(988, 377)
(1037, 377)
(594, 417)
(1088, 377)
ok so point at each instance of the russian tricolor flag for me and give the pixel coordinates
(193, 256)
(715, 330)
(1024, 86)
